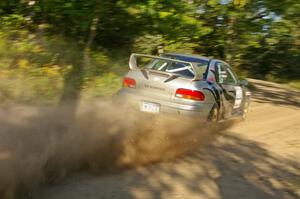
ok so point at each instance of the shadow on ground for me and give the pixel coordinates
(39, 146)
(232, 167)
(266, 92)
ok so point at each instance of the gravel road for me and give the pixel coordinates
(255, 159)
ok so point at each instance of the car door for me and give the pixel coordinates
(232, 92)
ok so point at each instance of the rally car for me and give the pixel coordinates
(188, 85)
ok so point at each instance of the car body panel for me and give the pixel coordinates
(156, 89)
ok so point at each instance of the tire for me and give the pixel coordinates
(214, 114)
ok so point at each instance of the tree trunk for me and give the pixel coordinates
(74, 80)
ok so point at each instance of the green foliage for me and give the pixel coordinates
(103, 86)
(148, 44)
(294, 84)
(51, 48)
(33, 68)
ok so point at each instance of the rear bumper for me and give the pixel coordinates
(135, 101)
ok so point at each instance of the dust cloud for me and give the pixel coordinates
(43, 145)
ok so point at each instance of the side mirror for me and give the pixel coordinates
(244, 82)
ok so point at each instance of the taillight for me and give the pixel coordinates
(129, 82)
(190, 94)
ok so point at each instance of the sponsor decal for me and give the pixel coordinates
(238, 96)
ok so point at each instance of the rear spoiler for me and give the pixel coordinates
(133, 63)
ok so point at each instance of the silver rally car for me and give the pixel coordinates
(188, 85)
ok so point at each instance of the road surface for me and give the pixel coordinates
(255, 159)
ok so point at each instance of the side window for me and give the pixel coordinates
(211, 74)
(225, 74)
(231, 79)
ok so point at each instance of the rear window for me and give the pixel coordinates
(172, 67)
(201, 63)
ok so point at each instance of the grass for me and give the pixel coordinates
(294, 84)
(32, 70)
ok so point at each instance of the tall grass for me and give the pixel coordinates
(33, 68)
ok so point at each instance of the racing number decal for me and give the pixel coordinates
(238, 96)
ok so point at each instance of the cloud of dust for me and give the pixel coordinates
(42, 145)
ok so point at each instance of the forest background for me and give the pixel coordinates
(53, 51)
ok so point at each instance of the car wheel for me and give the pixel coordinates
(214, 114)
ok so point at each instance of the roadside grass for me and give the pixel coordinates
(33, 69)
(294, 84)
(103, 86)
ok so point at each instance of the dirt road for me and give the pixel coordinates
(255, 159)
